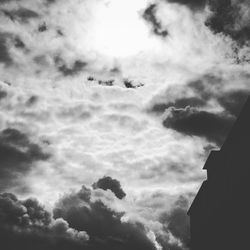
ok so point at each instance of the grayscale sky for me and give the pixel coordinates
(108, 111)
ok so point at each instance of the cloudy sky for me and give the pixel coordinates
(108, 111)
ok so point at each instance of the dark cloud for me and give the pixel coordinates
(72, 70)
(211, 88)
(191, 121)
(32, 100)
(127, 83)
(231, 18)
(233, 101)
(91, 78)
(59, 32)
(101, 82)
(186, 107)
(42, 27)
(194, 4)
(7, 42)
(130, 85)
(18, 43)
(106, 83)
(177, 223)
(150, 16)
(21, 14)
(81, 221)
(113, 185)
(3, 94)
(103, 225)
(5, 56)
(22, 213)
(196, 93)
(17, 154)
(27, 225)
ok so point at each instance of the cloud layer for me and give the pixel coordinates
(92, 92)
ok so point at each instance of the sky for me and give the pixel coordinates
(108, 111)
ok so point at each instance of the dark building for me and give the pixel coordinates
(220, 213)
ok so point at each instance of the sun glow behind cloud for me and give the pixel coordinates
(119, 30)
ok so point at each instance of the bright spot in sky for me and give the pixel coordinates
(119, 30)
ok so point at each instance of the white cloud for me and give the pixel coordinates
(105, 135)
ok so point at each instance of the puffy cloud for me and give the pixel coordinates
(117, 227)
(113, 185)
(82, 222)
(26, 224)
(61, 227)
(103, 225)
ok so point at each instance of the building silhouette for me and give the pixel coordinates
(220, 212)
